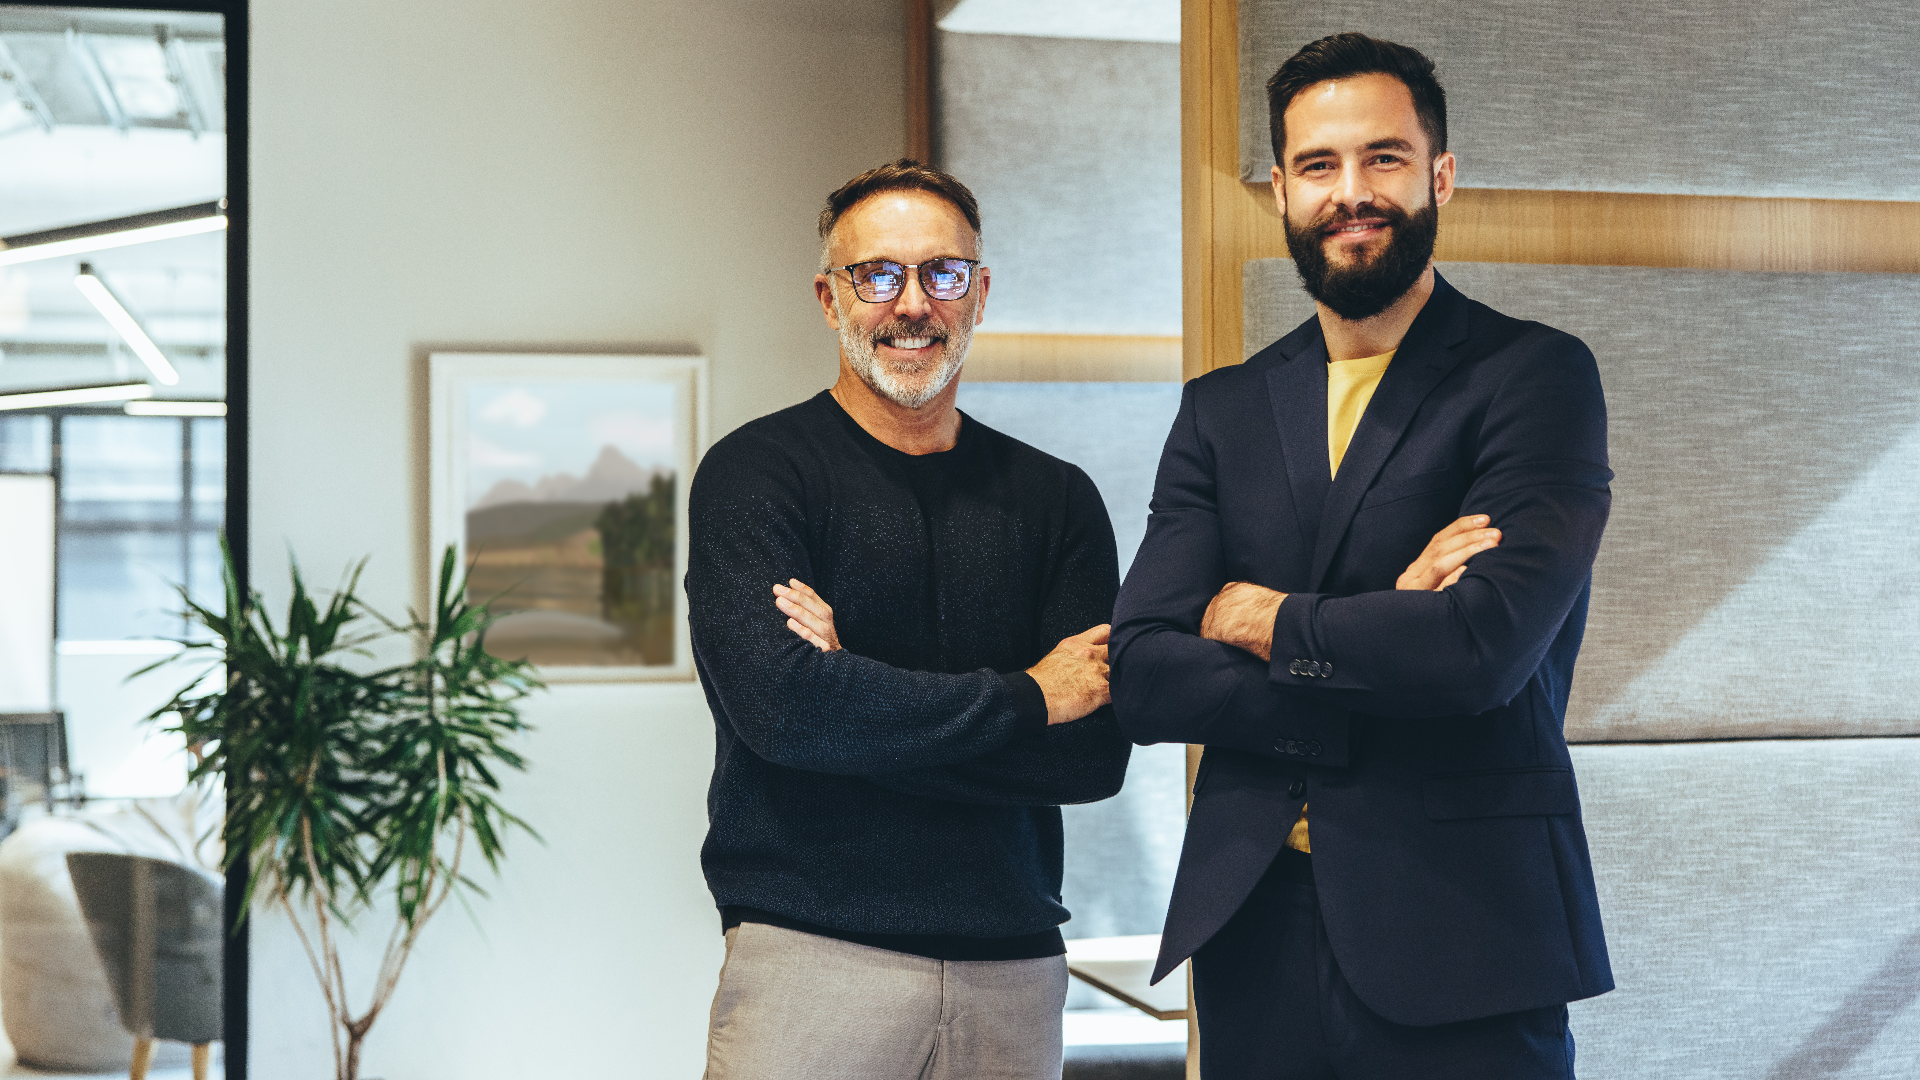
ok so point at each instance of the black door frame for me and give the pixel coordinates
(235, 967)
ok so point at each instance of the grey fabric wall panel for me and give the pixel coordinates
(1758, 573)
(1073, 148)
(1762, 907)
(1807, 98)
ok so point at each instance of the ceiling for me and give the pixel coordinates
(105, 114)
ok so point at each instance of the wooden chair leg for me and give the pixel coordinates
(142, 1056)
(201, 1053)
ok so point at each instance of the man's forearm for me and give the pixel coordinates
(842, 713)
(1084, 761)
(1242, 615)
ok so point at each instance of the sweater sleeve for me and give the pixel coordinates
(789, 702)
(1078, 762)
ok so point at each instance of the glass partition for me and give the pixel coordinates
(113, 286)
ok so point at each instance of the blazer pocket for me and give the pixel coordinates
(1501, 793)
(1417, 484)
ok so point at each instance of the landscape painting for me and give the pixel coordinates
(562, 480)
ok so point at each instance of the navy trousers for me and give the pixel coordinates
(1274, 1006)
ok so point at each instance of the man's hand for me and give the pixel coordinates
(1242, 616)
(1073, 677)
(1447, 553)
(807, 614)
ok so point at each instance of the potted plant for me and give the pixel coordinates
(354, 779)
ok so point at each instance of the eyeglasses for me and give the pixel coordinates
(880, 280)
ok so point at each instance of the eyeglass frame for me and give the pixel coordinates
(972, 265)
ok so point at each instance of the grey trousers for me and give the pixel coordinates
(794, 1006)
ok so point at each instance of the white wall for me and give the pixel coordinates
(597, 173)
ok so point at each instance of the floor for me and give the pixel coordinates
(1083, 1027)
(182, 1073)
(170, 1063)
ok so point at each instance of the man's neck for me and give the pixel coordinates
(1353, 339)
(929, 429)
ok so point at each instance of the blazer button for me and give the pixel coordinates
(1313, 667)
(1295, 789)
(1326, 669)
(1314, 748)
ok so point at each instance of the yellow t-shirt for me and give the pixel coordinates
(1350, 385)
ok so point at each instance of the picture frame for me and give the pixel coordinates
(561, 479)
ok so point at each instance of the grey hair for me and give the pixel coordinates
(826, 250)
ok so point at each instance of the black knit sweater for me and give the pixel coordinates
(906, 784)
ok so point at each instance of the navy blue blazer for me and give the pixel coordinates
(1424, 728)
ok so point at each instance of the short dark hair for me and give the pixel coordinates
(1340, 56)
(904, 174)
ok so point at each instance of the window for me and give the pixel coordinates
(111, 120)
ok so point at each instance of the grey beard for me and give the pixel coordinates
(864, 356)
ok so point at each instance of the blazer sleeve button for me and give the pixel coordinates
(1326, 669)
(1295, 789)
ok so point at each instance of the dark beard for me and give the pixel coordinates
(1365, 288)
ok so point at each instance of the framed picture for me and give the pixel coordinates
(562, 481)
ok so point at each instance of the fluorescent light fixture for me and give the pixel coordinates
(176, 408)
(129, 327)
(74, 395)
(114, 233)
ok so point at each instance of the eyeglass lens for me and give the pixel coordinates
(880, 281)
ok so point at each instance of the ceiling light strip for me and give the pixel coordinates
(75, 395)
(176, 408)
(129, 327)
(12, 255)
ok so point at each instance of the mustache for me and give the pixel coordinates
(1339, 217)
(900, 328)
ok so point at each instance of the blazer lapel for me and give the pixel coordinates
(1425, 356)
(1297, 388)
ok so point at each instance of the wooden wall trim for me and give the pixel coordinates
(920, 84)
(1073, 358)
(1706, 232)
(1597, 228)
(1209, 152)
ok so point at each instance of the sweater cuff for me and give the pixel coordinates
(1029, 703)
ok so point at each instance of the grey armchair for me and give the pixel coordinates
(156, 928)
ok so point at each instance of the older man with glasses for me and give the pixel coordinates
(899, 616)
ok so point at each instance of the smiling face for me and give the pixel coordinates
(907, 349)
(1360, 191)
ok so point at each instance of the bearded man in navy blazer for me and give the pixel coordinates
(1362, 588)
